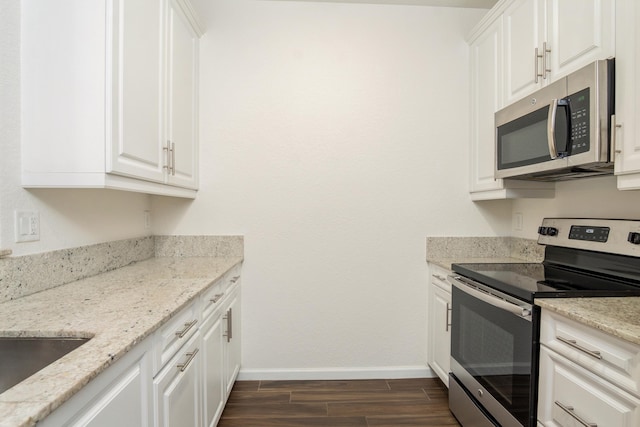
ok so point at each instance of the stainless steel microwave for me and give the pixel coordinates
(561, 131)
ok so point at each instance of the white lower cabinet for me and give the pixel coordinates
(177, 388)
(439, 339)
(232, 351)
(587, 378)
(120, 396)
(180, 376)
(212, 371)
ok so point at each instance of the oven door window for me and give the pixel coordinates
(495, 347)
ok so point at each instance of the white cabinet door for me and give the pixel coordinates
(568, 393)
(487, 50)
(135, 148)
(124, 403)
(232, 338)
(119, 396)
(212, 370)
(182, 96)
(486, 99)
(177, 388)
(627, 160)
(523, 34)
(578, 33)
(439, 339)
(441, 307)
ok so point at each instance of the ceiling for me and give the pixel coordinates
(479, 4)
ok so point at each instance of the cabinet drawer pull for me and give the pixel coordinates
(216, 298)
(229, 319)
(574, 344)
(439, 277)
(183, 366)
(569, 410)
(234, 279)
(187, 326)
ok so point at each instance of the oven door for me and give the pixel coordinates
(492, 347)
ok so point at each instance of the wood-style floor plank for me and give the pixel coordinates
(411, 407)
(295, 422)
(357, 396)
(359, 403)
(327, 385)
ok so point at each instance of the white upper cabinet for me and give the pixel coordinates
(136, 82)
(627, 133)
(182, 90)
(487, 56)
(523, 29)
(578, 33)
(548, 39)
(109, 97)
(520, 46)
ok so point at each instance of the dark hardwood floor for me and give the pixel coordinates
(364, 403)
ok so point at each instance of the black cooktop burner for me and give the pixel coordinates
(564, 273)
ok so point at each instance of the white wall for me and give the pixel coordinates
(334, 137)
(585, 198)
(69, 218)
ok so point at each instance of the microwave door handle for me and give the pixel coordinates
(551, 126)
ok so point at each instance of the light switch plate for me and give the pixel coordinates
(27, 226)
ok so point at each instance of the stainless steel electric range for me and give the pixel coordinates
(495, 322)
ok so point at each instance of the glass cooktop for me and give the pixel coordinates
(582, 275)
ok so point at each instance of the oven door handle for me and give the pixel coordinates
(496, 301)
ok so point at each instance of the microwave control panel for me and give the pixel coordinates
(580, 123)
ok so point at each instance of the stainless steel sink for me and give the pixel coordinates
(22, 357)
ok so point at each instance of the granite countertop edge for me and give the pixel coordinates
(117, 309)
(616, 316)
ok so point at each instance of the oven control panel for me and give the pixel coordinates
(616, 236)
(591, 234)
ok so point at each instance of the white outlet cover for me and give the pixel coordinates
(27, 226)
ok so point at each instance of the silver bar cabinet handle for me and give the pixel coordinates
(167, 150)
(229, 318)
(447, 319)
(569, 410)
(173, 159)
(216, 298)
(183, 366)
(437, 276)
(614, 135)
(551, 126)
(593, 353)
(545, 69)
(187, 326)
(535, 65)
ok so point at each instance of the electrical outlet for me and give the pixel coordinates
(27, 226)
(147, 220)
(517, 221)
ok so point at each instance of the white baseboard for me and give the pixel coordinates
(390, 372)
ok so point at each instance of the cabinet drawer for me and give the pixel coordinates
(213, 297)
(608, 356)
(172, 336)
(438, 276)
(569, 393)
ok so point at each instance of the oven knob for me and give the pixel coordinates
(552, 231)
(542, 231)
(634, 238)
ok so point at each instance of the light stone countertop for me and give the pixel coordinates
(118, 309)
(617, 316)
